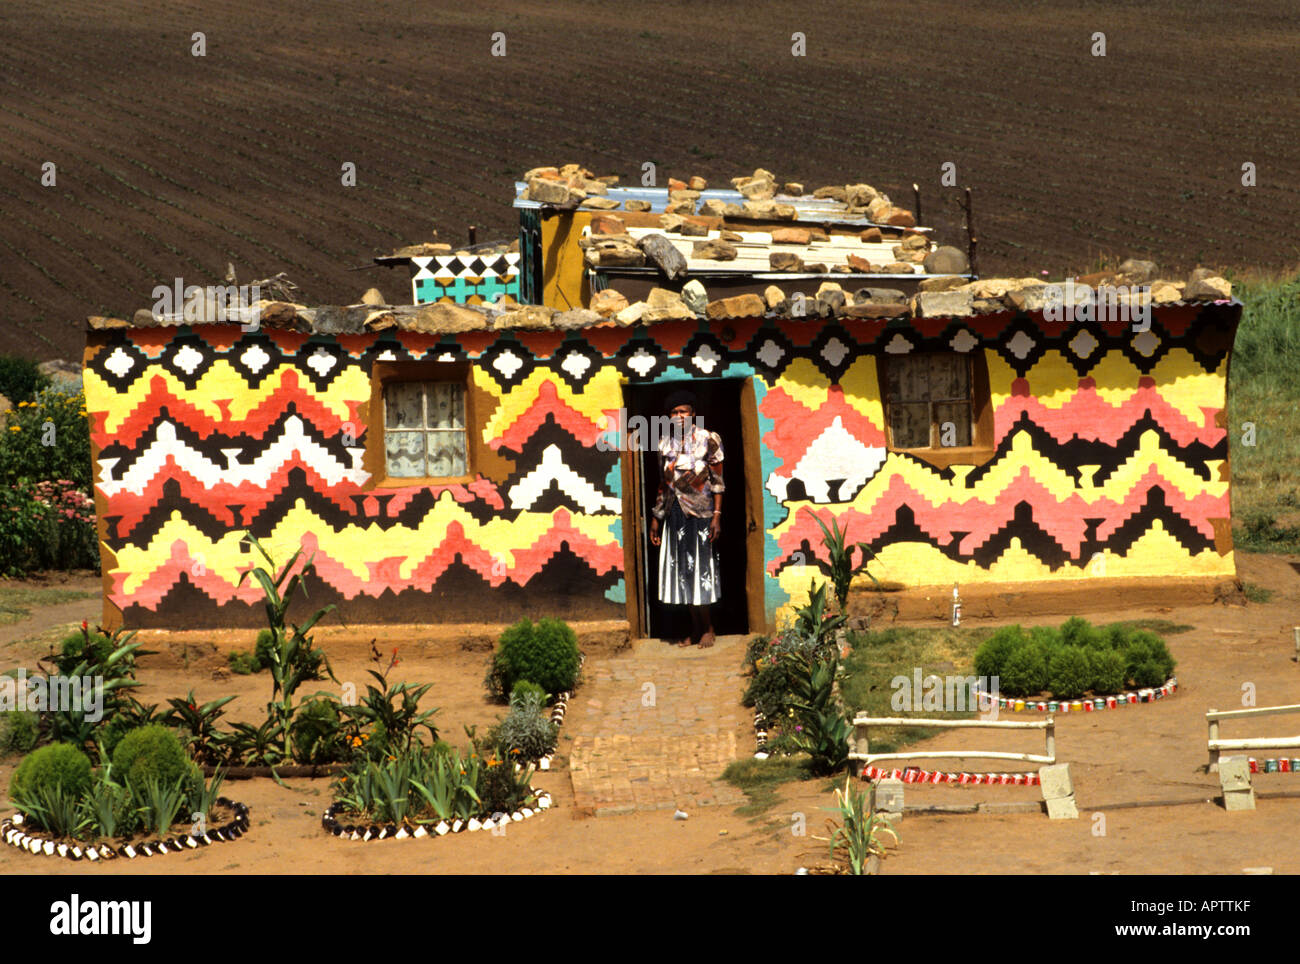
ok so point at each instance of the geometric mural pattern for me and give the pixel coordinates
(465, 279)
(1109, 453)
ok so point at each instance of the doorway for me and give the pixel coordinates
(727, 406)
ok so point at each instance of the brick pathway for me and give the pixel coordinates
(654, 729)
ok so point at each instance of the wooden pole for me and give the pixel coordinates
(1214, 736)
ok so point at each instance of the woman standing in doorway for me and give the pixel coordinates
(689, 505)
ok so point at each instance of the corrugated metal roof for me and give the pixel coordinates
(810, 209)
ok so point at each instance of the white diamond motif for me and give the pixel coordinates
(706, 359)
(1083, 344)
(386, 355)
(321, 361)
(641, 362)
(576, 364)
(507, 363)
(188, 359)
(1146, 344)
(835, 352)
(255, 358)
(120, 362)
(771, 353)
(1021, 345)
(446, 356)
(898, 345)
(963, 341)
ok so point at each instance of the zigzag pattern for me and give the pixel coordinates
(1106, 446)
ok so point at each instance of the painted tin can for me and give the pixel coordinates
(1270, 766)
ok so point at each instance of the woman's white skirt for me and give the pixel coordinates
(688, 566)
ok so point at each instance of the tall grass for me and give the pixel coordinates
(1264, 389)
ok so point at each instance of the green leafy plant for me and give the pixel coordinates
(814, 618)
(150, 754)
(524, 686)
(317, 733)
(59, 765)
(1025, 670)
(840, 555)
(20, 731)
(54, 809)
(1069, 672)
(526, 733)
(160, 801)
(820, 728)
(545, 654)
(857, 838)
(199, 724)
(20, 379)
(391, 710)
(293, 657)
(255, 746)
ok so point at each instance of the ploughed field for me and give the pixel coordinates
(170, 165)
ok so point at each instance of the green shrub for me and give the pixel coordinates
(1024, 673)
(246, 663)
(1047, 636)
(20, 379)
(315, 733)
(59, 766)
(545, 654)
(20, 730)
(1146, 659)
(1107, 669)
(992, 654)
(150, 753)
(1069, 672)
(523, 687)
(1077, 631)
(526, 733)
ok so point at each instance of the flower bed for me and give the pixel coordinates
(17, 833)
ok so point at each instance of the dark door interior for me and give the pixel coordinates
(719, 406)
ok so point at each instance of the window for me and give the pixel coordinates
(424, 430)
(937, 406)
(421, 425)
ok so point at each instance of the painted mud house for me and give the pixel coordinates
(448, 462)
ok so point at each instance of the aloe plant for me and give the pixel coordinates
(840, 556)
(857, 838)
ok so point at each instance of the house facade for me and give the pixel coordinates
(452, 463)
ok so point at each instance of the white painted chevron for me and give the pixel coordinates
(835, 454)
(552, 469)
(292, 440)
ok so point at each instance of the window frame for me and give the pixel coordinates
(385, 374)
(981, 449)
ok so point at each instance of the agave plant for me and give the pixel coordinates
(857, 838)
(840, 556)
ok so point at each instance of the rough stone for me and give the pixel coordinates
(674, 312)
(831, 192)
(675, 185)
(773, 296)
(871, 236)
(733, 236)
(693, 229)
(889, 797)
(607, 224)
(680, 207)
(791, 236)
(695, 297)
(548, 192)
(1055, 781)
(879, 296)
(1062, 808)
(715, 250)
(899, 217)
(712, 208)
(792, 189)
(526, 317)
(1164, 292)
(1138, 272)
(664, 255)
(373, 296)
(635, 204)
(942, 284)
(608, 302)
(760, 189)
(860, 264)
(915, 242)
(899, 267)
(785, 261)
(599, 203)
(576, 318)
(698, 183)
(738, 306)
(662, 298)
(671, 222)
(859, 195)
(1238, 800)
(733, 211)
(944, 304)
(1234, 773)
(817, 234)
(549, 173)
(1207, 289)
(619, 254)
(814, 267)
(683, 195)
(946, 259)
(632, 313)
(1027, 299)
(445, 318)
(829, 301)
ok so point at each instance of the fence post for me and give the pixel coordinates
(1051, 736)
(1214, 735)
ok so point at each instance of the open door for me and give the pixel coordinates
(727, 407)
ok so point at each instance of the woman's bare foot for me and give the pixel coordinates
(706, 640)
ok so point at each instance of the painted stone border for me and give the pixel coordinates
(917, 775)
(1149, 694)
(760, 737)
(557, 717)
(1271, 765)
(406, 830)
(11, 828)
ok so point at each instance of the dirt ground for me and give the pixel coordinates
(1070, 155)
(1145, 753)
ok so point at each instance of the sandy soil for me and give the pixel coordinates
(1153, 752)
